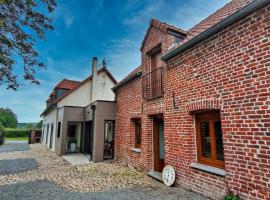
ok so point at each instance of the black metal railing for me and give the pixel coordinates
(153, 84)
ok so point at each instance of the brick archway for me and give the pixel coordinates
(204, 104)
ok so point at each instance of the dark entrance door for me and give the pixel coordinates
(87, 138)
(158, 142)
(109, 140)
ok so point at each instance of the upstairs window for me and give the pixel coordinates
(138, 133)
(156, 60)
(209, 139)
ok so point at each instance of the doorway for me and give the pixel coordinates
(87, 139)
(108, 140)
(74, 137)
(158, 143)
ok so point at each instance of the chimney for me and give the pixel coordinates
(94, 78)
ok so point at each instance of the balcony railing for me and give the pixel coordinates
(153, 84)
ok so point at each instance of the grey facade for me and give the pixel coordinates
(92, 120)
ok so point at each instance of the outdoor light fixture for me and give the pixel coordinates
(174, 103)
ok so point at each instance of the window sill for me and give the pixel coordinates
(154, 97)
(207, 168)
(136, 150)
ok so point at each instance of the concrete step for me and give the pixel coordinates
(155, 175)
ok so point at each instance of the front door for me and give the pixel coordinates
(158, 142)
(109, 140)
(87, 138)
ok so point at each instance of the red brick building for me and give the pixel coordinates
(205, 108)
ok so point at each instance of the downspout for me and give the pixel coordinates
(93, 107)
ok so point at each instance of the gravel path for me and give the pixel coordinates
(54, 178)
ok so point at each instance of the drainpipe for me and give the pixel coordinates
(93, 107)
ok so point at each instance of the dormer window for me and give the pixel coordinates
(177, 40)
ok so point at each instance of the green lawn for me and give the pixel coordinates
(18, 138)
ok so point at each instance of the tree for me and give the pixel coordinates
(30, 126)
(21, 23)
(39, 125)
(7, 118)
(1, 126)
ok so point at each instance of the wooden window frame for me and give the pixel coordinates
(210, 117)
(138, 127)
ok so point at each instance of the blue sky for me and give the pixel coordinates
(110, 29)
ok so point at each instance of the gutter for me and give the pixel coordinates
(131, 78)
(241, 13)
(51, 107)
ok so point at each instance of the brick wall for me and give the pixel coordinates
(230, 70)
(130, 103)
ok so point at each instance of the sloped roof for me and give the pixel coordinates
(216, 17)
(163, 27)
(67, 84)
(219, 20)
(132, 75)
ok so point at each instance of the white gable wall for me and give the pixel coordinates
(104, 88)
(79, 97)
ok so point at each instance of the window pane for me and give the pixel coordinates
(161, 141)
(137, 133)
(219, 141)
(205, 139)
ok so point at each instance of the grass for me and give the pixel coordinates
(18, 138)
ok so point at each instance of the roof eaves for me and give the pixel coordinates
(246, 10)
(131, 78)
(48, 109)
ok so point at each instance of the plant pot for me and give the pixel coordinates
(73, 147)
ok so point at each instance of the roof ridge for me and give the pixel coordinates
(168, 25)
(230, 3)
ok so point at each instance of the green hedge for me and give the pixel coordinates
(14, 133)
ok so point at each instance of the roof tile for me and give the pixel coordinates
(68, 84)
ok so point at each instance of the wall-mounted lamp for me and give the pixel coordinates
(174, 103)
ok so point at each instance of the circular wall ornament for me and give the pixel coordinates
(168, 175)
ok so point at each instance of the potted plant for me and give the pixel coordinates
(72, 143)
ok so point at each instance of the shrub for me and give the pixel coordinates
(231, 197)
(14, 133)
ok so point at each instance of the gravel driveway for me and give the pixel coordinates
(12, 166)
(45, 190)
(54, 178)
(11, 146)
